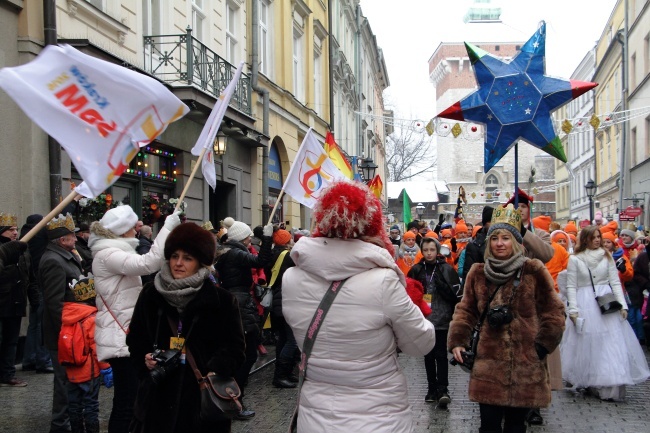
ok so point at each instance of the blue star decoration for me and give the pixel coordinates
(515, 99)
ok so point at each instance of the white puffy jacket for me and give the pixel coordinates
(354, 381)
(117, 269)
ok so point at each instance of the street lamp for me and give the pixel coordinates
(220, 143)
(419, 209)
(368, 168)
(591, 192)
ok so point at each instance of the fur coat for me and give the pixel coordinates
(507, 369)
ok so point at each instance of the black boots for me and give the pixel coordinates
(283, 369)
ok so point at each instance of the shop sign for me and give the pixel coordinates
(624, 216)
(275, 168)
(633, 211)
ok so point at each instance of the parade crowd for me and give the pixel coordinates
(524, 305)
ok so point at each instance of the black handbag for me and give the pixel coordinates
(607, 302)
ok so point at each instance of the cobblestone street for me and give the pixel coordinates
(26, 410)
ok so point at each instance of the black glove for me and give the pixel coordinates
(441, 219)
(541, 351)
(12, 250)
(453, 245)
(620, 264)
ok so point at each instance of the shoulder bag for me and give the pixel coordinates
(607, 302)
(310, 337)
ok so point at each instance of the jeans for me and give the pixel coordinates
(241, 376)
(286, 346)
(60, 419)
(125, 384)
(436, 363)
(635, 319)
(83, 400)
(35, 352)
(492, 416)
(9, 332)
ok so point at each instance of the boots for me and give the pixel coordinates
(283, 369)
(92, 426)
(77, 425)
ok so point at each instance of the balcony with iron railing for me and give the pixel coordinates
(183, 60)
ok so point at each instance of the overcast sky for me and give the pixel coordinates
(409, 31)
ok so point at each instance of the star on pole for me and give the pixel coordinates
(505, 88)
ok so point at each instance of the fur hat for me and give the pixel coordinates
(523, 198)
(237, 230)
(281, 237)
(349, 210)
(119, 220)
(194, 240)
(486, 217)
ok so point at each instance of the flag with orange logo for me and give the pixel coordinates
(336, 155)
(311, 172)
(101, 113)
(376, 186)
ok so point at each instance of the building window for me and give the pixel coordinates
(265, 37)
(633, 72)
(633, 146)
(231, 33)
(152, 17)
(198, 20)
(646, 54)
(298, 65)
(491, 188)
(99, 4)
(318, 83)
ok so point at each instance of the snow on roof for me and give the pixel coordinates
(418, 191)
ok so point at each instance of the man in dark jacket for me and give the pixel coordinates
(14, 283)
(475, 250)
(234, 267)
(83, 249)
(58, 267)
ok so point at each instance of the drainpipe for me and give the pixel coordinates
(621, 37)
(331, 63)
(53, 147)
(264, 93)
(359, 73)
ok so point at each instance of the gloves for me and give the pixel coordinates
(453, 244)
(624, 314)
(441, 219)
(12, 250)
(268, 230)
(107, 377)
(541, 351)
(574, 317)
(620, 265)
(173, 221)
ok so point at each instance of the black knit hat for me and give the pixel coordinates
(487, 215)
(194, 240)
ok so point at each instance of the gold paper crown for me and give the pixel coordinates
(507, 215)
(62, 222)
(84, 289)
(207, 226)
(8, 220)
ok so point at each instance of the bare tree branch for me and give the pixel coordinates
(409, 153)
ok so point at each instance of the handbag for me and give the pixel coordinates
(310, 337)
(607, 302)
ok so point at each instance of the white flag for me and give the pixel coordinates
(211, 127)
(311, 171)
(101, 113)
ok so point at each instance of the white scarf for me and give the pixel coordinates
(592, 257)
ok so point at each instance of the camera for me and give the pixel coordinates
(500, 315)
(166, 361)
(468, 360)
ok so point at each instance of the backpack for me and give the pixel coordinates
(73, 349)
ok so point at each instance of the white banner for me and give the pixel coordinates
(211, 127)
(100, 112)
(311, 172)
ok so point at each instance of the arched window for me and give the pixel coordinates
(491, 188)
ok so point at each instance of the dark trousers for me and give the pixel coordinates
(125, 385)
(436, 363)
(493, 416)
(36, 354)
(286, 346)
(60, 419)
(241, 376)
(9, 332)
(83, 401)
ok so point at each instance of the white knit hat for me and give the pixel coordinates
(119, 219)
(237, 230)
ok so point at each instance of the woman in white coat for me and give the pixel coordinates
(354, 382)
(117, 269)
(599, 352)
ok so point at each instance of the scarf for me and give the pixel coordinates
(592, 257)
(178, 293)
(501, 271)
(406, 251)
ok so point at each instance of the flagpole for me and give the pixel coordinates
(54, 213)
(189, 181)
(275, 206)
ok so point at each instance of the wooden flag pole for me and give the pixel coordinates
(275, 206)
(47, 218)
(199, 161)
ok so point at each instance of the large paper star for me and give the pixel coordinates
(515, 99)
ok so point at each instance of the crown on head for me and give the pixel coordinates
(8, 220)
(62, 222)
(507, 215)
(207, 226)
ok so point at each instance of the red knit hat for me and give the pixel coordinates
(349, 210)
(281, 237)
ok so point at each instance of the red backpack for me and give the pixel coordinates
(73, 349)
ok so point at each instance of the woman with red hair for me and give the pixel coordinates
(353, 381)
